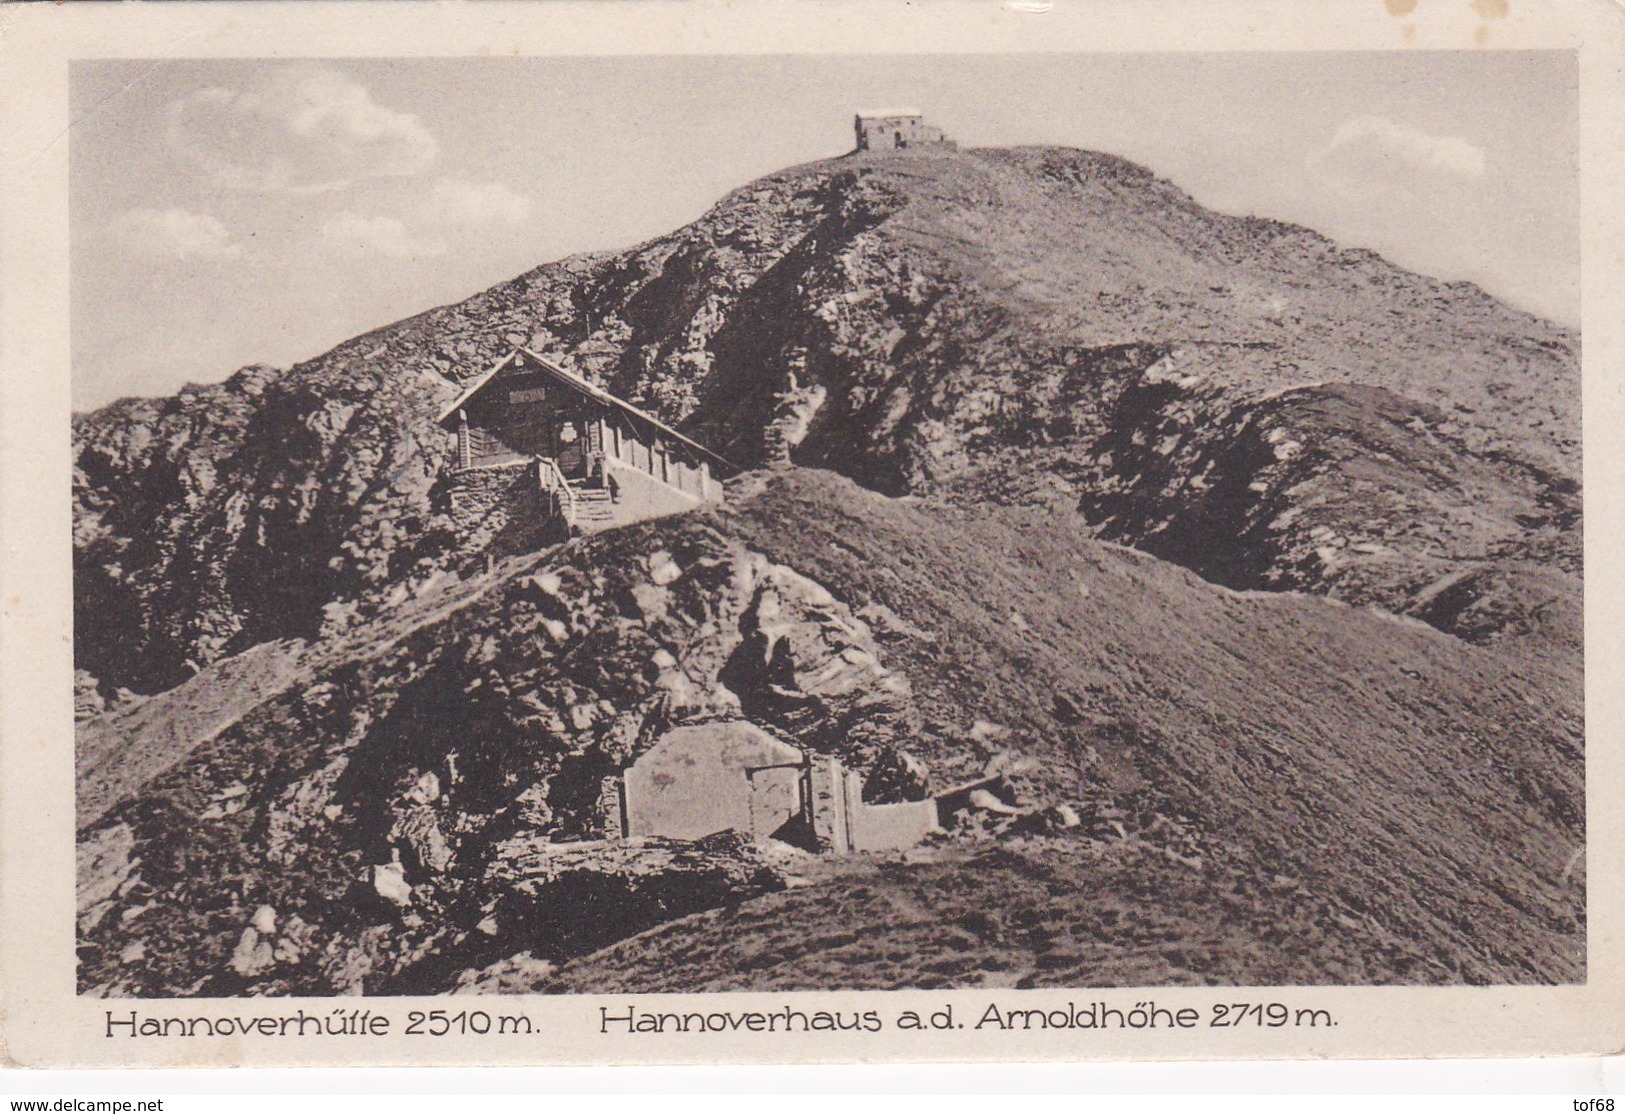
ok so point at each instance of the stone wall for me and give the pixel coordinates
(612, 808)
(502, 501)
(842, 823)
(827, 802)
(893, 827)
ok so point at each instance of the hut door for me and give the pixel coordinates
(571, 447)
(775, 799)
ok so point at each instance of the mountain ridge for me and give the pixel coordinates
(905, 319)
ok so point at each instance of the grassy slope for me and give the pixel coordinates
(119, 753)
(1082, 249)
(1371, 800)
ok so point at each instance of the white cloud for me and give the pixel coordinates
(175, 234)
(371, 234)
(1375, 149)
(458, 201)
(300, 130)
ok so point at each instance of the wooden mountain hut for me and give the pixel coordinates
(605, 461)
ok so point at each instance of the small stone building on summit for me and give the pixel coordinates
(895, 129)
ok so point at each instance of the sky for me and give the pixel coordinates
(229, 212)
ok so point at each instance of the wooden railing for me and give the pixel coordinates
(552, 480)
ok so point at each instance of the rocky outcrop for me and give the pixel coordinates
(232, 514)
(1348, 491)
(646, 881)
(397, 799)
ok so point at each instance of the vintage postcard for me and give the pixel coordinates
(548, 533)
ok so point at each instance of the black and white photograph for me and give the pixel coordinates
(563, 526)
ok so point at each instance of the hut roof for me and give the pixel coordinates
(572, 381)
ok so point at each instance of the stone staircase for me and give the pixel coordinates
(594, 510)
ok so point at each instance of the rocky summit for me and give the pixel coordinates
(1246, 565)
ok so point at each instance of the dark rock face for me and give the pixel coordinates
(232, 514)
(633, 885)
(1349, 491)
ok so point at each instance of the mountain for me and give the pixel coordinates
(1257, 555)
(1029, 325)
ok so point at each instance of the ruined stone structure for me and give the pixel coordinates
(893, 129)
(706, 778)
(843, 823)
(714, 777)
(529, 431)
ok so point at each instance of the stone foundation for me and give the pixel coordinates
(501, 506)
